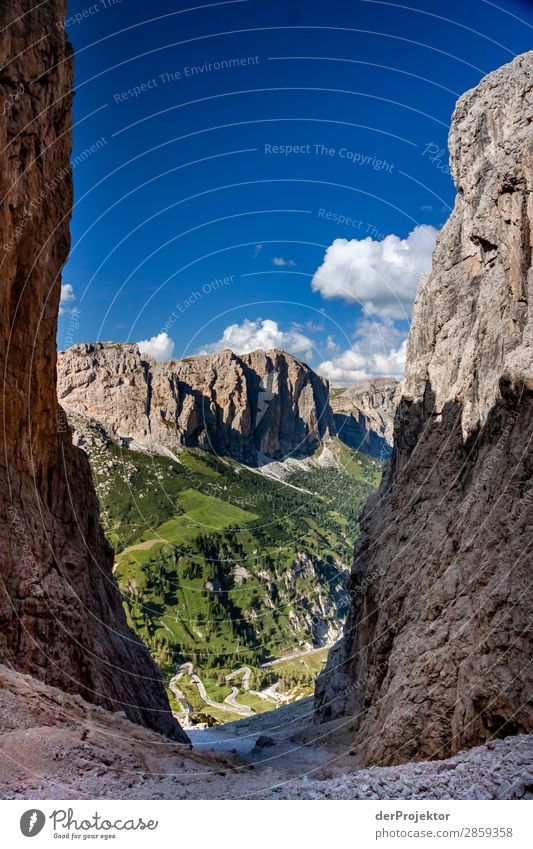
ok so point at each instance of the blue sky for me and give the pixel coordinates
(221, 151)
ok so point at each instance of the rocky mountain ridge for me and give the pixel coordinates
(242, 406)
(436, 651)
(265, 405)
(364, 414)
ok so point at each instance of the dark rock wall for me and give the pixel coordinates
(61, 617)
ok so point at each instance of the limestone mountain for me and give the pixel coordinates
(262, 403)
(61, 616)
(436, 650)
(265, 405)
(364, 414)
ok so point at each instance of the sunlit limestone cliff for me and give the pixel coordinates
(436, 651)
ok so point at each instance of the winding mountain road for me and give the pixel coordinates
(180, 697)
(228, 705)
(230, 700)
(295, 655)
(266, 695)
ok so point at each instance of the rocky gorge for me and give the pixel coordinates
(433, 666)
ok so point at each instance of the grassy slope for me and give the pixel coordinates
(222, 566)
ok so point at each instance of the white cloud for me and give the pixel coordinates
(160, 347)
(380, 275)
(262, 333)
(281, 261)
(379, 351)
(67, 293)
(67, 296)
(331, 346)
(314, 326)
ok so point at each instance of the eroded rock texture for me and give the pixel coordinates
(60, 611)
(259, 404)
(437, 649)
(364, 414)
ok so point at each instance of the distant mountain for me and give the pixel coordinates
(364, 414)
(266, 405)
(263, 403)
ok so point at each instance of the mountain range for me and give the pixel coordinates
(255, 408)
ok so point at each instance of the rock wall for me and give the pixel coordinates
(246, 407)
(61, 617)
(436, 653)
(364, 414)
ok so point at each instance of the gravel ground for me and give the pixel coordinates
(502, 769)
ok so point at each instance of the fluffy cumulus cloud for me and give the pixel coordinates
(67, 296)
(67, 293)
(331, 346)
(262, 333)
(160, 347)
(380, 275)
(379, 351)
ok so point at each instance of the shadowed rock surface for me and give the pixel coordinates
(437, 648)
(61, 617)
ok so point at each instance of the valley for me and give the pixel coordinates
(293, 675)
(233, 574)
(224, 568)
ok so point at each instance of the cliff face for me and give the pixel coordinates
(364, 414)
(60, 612)
(437, 645)
(263, 403)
